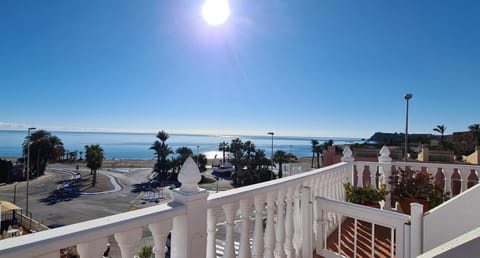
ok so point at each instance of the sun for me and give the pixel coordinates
(215, 12)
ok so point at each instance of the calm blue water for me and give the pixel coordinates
(136, 145)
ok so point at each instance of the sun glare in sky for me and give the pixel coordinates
(215, 12)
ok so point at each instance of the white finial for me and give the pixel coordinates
(385, 155)
(347, 154)
(189, 176)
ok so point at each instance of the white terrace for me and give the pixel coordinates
(287, 217)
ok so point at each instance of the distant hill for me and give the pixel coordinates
(398, 138)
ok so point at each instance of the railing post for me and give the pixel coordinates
(385, 170)
(189, 236)
(347, 157)
(416, 229)
(321, 224)
(307, 230)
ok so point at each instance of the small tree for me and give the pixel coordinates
(441, 130)
(94, 158)
(281, 157)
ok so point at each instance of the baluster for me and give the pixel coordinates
(245, 208)
(289, 249)
(307, 225)
(92, 249)
(297, 222)
(160, 232)
(230, 210)
(448, 172)
(270, 228)
(328, 186)
(373, 176)
(280, 231)
(258, 231)
(128, 241)
(338, 186)
(360, 171)
(464, 173)
(211, 233)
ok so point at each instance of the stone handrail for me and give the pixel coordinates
(90, 237)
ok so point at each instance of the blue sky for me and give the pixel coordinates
(298, 68)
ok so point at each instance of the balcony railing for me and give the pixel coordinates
(287, 217)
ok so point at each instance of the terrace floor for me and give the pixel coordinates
(364, 242)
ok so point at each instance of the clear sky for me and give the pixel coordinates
(298, 68)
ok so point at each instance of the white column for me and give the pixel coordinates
(360, 171)
(230, 210)
(464, 173)
(385, 170)
(270, 228)
(416, 229)
(307, 231)
(289, 249)
(245, 208)
(160, 232)
(212, 233)
(190, 229)
(128, 241)
(297, 222)
(258, 243)
(280, 229)
(448, 172)
(321, 224)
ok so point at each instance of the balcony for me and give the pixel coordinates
(296, 216)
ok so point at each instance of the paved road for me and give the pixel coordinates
(77, 209)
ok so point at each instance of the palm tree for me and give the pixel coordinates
(163, 136)
(44, 147)
(94, 158)
(237, 149)
(161, 152)
(318, 150)
(183, 154)
(260, 160)
(314, 146)
(223, 146)
(441, 130)
(475, 128)
(281, 157)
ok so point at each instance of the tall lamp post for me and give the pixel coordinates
(271, 156)
(28, 163)
(407, 97)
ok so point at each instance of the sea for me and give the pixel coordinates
(136, 145)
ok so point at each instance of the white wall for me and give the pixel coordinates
(452, 219)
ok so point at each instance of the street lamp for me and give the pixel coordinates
(407, 97)
(271, 157)
(198, 155)
(28, 162)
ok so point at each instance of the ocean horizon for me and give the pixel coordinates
(117, 145)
